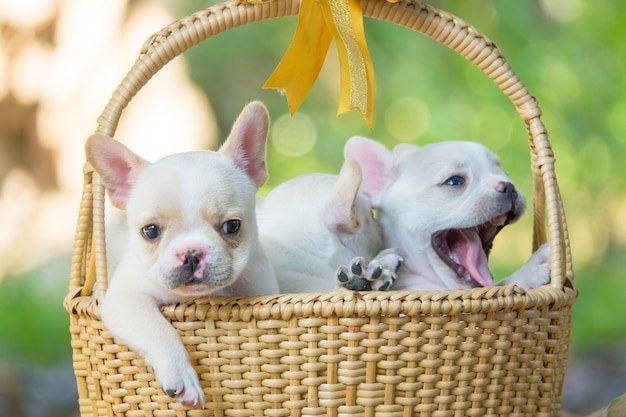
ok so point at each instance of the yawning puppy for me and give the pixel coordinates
(442, 206)
(314, 223)
(192, 233)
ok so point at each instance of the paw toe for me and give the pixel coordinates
(195, 404)
(385, 286)
(399, 262)
(359, 284)
(357, 266)
(342, 275)
(377, 271)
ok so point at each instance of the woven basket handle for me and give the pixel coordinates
(89, 254)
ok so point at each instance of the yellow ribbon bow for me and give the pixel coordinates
(320, 21)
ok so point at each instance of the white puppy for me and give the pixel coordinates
(192, 233)
(442, 205)
(315, 222)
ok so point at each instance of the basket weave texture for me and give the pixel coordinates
(488, 351)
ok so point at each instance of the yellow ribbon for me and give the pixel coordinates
(319, 22)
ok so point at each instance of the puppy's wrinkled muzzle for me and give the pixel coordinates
(196, 273)
(466, 251)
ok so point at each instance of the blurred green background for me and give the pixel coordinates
(571, 55)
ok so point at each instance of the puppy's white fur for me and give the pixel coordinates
(447, 197)
(314, 223)
(192, 232)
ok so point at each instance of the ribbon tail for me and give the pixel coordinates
(297, 71)
(345, 21)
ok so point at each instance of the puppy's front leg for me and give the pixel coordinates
(138, 322)
(535, 272)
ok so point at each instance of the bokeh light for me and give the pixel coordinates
(407, 118)
(293, 136)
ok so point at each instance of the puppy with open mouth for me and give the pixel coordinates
(442, 205)
(192, 233)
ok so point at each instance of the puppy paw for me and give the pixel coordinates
(181, 383)
(535, 272)
(351, 277)
(377, 275)
(539, 267)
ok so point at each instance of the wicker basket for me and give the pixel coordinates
(488, 351)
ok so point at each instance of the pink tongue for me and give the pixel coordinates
(468, 251)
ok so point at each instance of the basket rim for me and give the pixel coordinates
(89, 266)
(345, 303)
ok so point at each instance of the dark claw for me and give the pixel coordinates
(356, 268)
(359, 284)
(171, 393)
(385, 286)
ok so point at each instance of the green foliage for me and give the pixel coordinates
(597, 318)
(33, 322)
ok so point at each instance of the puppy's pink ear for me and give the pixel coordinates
(376, 162)
(247, 141)
(340, 211)
(118, 166)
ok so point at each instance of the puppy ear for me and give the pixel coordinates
(376, 162)
(118, 166)
(247, 141)
(340, 211)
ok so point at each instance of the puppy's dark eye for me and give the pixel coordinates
(150, 232)
(454, 180)
(231, 226)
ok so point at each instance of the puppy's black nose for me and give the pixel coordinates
(191, 260)
(508, 189)
(505, 187)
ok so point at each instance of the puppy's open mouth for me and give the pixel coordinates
(466, 250)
